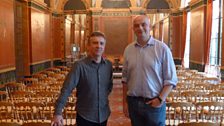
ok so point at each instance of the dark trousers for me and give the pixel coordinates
(83, 122)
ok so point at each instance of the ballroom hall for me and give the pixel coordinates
(41, 41)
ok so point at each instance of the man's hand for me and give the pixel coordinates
(125, 104)
(155, 103)
(57, 120)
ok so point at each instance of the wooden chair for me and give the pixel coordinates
(3, 96)
(48, 96)
(21, 96)
(49, 80)
(3, 87)
(206, 87)
(6, 111)
(70, 113)
(199, 124)
(211, 80)
(173, 96)
(64, 68)
(47, 73)
(48, 111)
(29, 111)
(216, 87)
(56, 87)
(54, 69)
(39, 76)
(184, 86)
(217, 96)
(57, 76)
(11, 87)
(210, 111)
(220, 86)
(194, 96)
(72, 98)
(29, 81)
(37, 87)
(64, 72)
(178, 112)
(193, 80)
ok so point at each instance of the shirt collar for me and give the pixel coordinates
(149, 43)
(90, 60)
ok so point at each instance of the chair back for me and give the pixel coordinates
(9, 124)
(37, 124)
(199, 124)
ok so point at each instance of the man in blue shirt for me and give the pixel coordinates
(92, 77)
(148, 76)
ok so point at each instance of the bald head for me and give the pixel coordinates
(141, 27)
(142, 17)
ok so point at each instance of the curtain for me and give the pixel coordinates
(208, 32)
(184, 31)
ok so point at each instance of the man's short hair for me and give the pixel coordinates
(96, 34)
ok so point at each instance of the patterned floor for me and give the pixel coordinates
(117, 117)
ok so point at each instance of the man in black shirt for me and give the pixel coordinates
(92, 77)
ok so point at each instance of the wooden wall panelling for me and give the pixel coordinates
(22, 39)
(197, 38)
(117, 33)
(7, 47)
(57, 37)
(161, 30)
(41, 36)
(176, 37)
(166, 30)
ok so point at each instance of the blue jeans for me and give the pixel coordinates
(142, 114)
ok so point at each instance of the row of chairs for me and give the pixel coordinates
(25, 124)
(195, 96)
(47, 81)
(34, 111)
(193, 76)
(32, 99)
(182, 112)
(200, 124)
(199, 86)
(197, 100)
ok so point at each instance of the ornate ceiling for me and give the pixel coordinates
(58, 5)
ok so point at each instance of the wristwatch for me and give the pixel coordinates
(160, 99)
